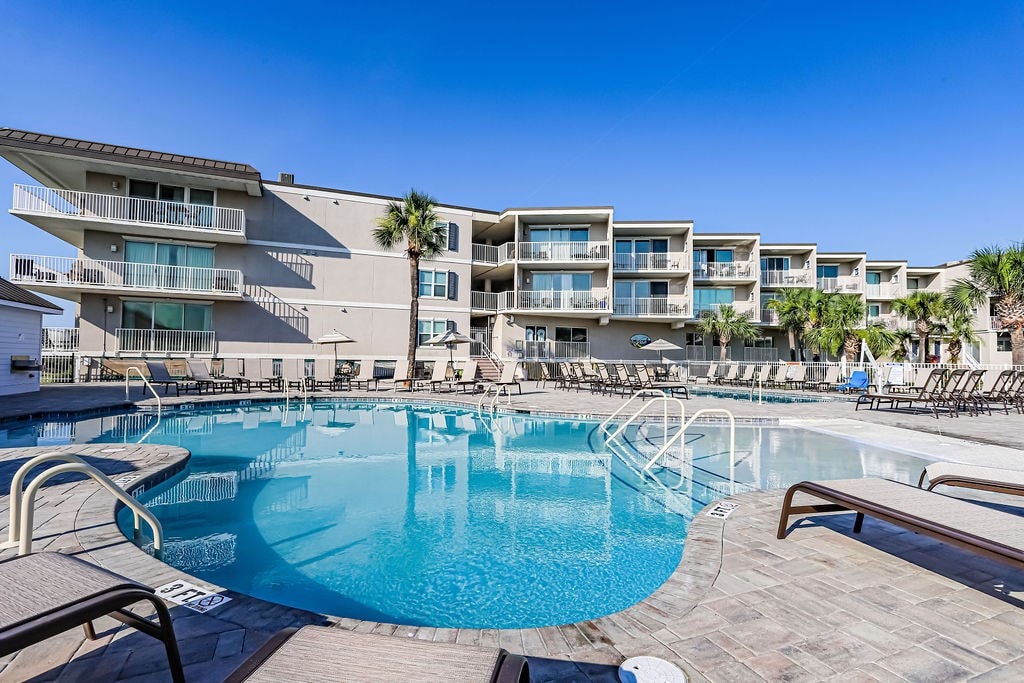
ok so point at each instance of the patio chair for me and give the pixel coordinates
(627, 382)
(986, 531)
(318, 653)
(929, 396)
(365, 376)
(268, 381)
(747, 378)
(325, 374)
(508, 379)
(543, 375)
(829, 381)
(669, 387)
(1002, 389)
(158, 376)
(402, 377)
(731, 373)
(233, 372)
(858, 382)
(712, 374)
(764, 374)
(202, 377)
(48, 593)
(438, 376)
(468, 379)
(799, 377)
(780, 376)
(973, 477)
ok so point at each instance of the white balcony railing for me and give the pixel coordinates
(492, 254)
(741, 307)
(165, 341)
(45, 201)
(888, 320)
(553, 350)
(785, 278)
(638, 263)
(733, 270)
(563, 251)
(484, 301)
(847, 284)
(886, 290)
(652, 307)
(555, 300)
(57, 339)
(65, 271)
(769, 316)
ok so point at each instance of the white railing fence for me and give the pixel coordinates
(118, 209)
(669, 306)
(552, 350)
(785, 278)
(843, 283)
(70, 271)
(731, 270)
(885, 290)
(165, 341)
(60, 339)
(563, 251)
(570, 300)
(485, 301)
(672, 260)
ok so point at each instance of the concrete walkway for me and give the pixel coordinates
(820, 605)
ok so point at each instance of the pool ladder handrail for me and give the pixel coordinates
(682, 433)
(498, 390)
(658, 396)
(287, 396)
(145, 380)
(22, 502)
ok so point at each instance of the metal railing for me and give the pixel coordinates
(71, 204)
(553, 350)
(888, 320)
(884, 291)
(22, 503)
(161, 341)
(494, 254)
(740, 307)
(755, 354)
(635, 263)
(555, 300)
(563, 251)
(60, 339)
(67, 271)
(652, 307)
(733, 270)
(785, 278)
(844, 283)
(484, 301)
(769, 316)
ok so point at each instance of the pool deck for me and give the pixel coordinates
(822, 604)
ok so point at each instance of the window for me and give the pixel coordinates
(694, 339)
(873, 277)
(144, 189)
(434, 283)
(874, 310)
(708, 299)
(913, 283)
(573, 334)
(149, 315)
(1003, 342)
(559, 233)
(561, 282)
(168, 254)
(536, 333)
(759, 343)
(775, 263)
(828, 271)
(427, 329)
(451, 231)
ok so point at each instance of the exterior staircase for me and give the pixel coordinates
(487, 369)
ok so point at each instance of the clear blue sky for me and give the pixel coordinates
(893, 127)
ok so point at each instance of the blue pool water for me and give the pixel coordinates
(434, 516)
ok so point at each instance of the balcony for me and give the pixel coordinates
(741, 307)
(60, 339)
(565, 301)
(785, 278)
(563, 252)
(652, 307)
(67, 277)
(733, 270)
(844, 284)
(884, 291)
(165, 341)
(484, 301)
(68, 213)
(887, 320)
(769, 316)
(493, 255)
(553, 350)
(673, 261)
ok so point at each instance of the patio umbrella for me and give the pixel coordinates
(334, 338)
(661, 346)
(449, 338)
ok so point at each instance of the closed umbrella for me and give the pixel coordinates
(449, 338)
(661, 346)
(334, 338)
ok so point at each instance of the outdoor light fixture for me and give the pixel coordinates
(110, 309)
(113, 248)
(115, 185)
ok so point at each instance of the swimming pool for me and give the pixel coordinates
(435, 516)
(766, 396)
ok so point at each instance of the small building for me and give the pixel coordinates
(21, 337)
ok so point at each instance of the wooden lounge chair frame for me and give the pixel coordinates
(507, 667)
(92, 592)
(839, 501)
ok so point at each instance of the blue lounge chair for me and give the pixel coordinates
(858, 381)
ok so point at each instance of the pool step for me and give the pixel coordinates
(487, 370)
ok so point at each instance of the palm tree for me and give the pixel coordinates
(901, 349)
(414, 224)
(998, 273)
(957, 328)
(838, 328)
(817, 303)
(726, 323)
(924, 308)
(879, 339)
(794, 316)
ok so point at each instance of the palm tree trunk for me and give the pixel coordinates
(723, 348)
(922, 340)
(1017, 345)
(414, 310)
(792, 345)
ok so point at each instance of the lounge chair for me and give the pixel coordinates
(1002, 389)
(158, 376)
(669, 387)
(712, 374)
(973, 477)
(929, 396)
(48, 593)
(438, 376)
(268, 380)
(233, 372)
(731, 373)
(858, 382)
(365, 376)
(202, 377)
(468, 378)
(401, 378)
(764, 375)
(747, 378)
(799, 377)
(318, 653)
(992, 533)
(780, 376)
(829, 381)
(508, 379)
(325, 374)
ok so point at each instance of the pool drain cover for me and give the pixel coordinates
(650, 670)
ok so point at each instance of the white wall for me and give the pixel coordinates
(20, 335)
